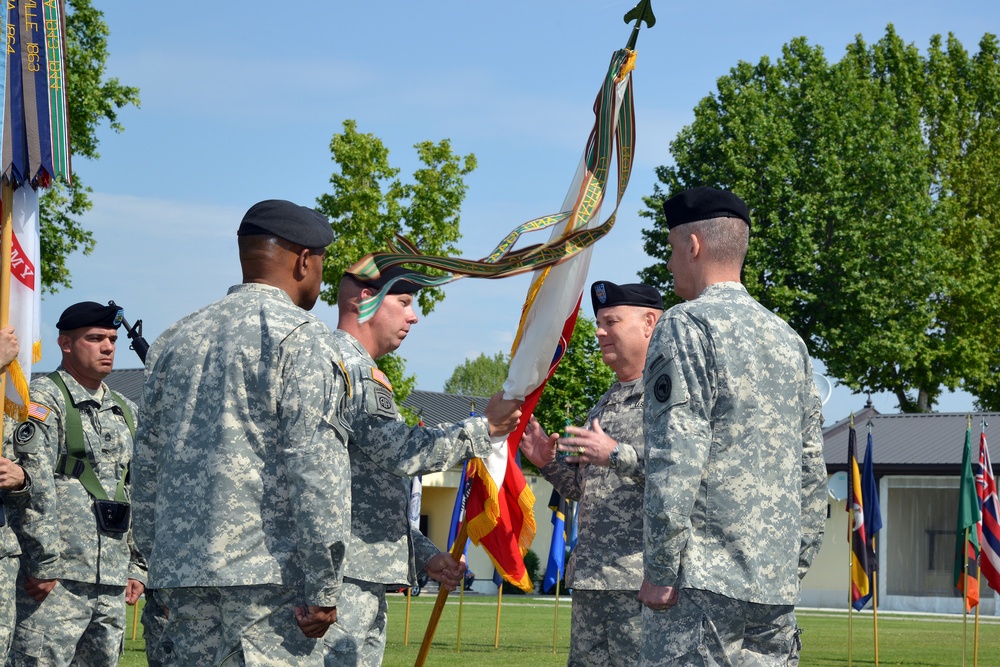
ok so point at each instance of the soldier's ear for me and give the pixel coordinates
(649, 319)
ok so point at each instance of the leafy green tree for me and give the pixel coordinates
(369, 204)
(874, 188)
(482, 376)
(580, 380)
(91, 97)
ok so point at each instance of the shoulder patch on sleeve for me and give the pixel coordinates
(347, 378)
(38, 412)
(24, 433)
(381, 378)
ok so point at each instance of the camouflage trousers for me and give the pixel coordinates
(706, 629)
(75, 624)
(8, 616)
(606, 629)
(231, 626)
(358, 636)
(154, 619)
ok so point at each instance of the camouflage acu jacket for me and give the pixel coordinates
(608, 554)
(55, 522)
(735, 477)
(385, 452)
(241, 475)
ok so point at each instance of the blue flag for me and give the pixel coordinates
(557, 549)
(873, 520)
(458, 513)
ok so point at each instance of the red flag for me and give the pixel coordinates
(989, 526)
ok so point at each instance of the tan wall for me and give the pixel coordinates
(825, 585)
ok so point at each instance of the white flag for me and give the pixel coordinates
(25, 298)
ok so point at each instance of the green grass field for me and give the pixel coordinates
(526, 632)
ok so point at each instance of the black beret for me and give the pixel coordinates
(298, 224)
(605, 294)
(385, 275)
(90, 314)
(704, 203)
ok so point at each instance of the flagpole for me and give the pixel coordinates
(965, 595)
(874, 585)
(874, 582)
(496, 631)
(850, 582)
(425, 647)
(135, 618)
(7, 221)
(461, 602)
(850, 572)
(406, 631)
(555, 616)
(975, 640)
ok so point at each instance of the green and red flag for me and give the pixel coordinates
(967, 532)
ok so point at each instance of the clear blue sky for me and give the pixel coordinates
(240, 104)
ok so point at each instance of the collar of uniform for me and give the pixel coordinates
(261, 287)
(718, 288)
(628, 389)
(78, 392)
(353, 342)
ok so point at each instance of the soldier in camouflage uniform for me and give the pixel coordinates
(79, 565)
(11, 479)
(735, 477)
(242, 489)
(605, 472)
(384, 549)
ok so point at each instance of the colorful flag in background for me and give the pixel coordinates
(458, 513)
(872, 521)
(35, 150)
(25, 298)
(555, 567)
(989, 527)
(860, 572)
(967, 532)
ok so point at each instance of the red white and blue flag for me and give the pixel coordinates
(989, 527)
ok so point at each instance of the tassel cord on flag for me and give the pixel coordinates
(456, 552)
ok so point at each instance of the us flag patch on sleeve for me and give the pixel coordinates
(38, 412)
(381, 378)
